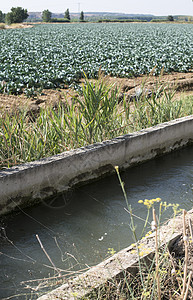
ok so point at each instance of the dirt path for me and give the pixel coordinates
(182, 82)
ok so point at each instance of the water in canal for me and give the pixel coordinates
(77, 230)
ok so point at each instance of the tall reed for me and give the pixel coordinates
(96, 114)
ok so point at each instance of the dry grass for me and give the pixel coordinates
(2, 26)
(17, 25)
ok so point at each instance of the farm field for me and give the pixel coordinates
(44, 67)
(47, 106)
(53, 56)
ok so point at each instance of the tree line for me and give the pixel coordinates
(19, 14)
(16, 15)
(47, 16)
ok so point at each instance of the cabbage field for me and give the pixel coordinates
(51, 56)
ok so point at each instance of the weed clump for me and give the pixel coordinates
(94, 115)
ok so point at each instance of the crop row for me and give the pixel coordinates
(49, 56)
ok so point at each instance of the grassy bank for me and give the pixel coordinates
(96, 114)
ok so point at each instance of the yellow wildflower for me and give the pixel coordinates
(140, 201)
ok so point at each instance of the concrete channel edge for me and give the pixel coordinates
(33, 182)
(125, 261)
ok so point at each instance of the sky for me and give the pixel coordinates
(155, 7)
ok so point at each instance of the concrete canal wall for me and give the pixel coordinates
(124, 262)
(29, 183)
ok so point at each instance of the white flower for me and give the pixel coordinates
(173, 271)
(185, 238)
(153, 225)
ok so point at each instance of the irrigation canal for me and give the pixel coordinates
(77, 229)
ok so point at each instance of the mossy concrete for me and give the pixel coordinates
(32, 182)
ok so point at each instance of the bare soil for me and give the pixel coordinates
(181, 82)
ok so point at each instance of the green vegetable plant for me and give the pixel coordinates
(121, 50)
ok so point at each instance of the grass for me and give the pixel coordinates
(95, 115)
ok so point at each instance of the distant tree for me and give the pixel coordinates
(170, 18)
(81, 16)
(2, 17)
(8, 18)
(67, 14)
(16, 15)
(46, 16)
